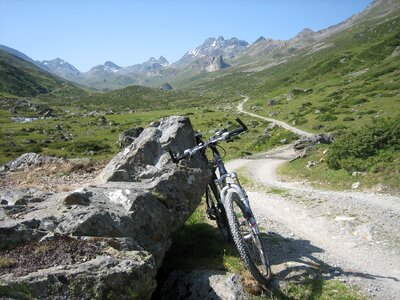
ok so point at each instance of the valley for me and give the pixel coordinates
(331, 214)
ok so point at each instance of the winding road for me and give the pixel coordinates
(350, 236)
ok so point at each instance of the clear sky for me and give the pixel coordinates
(89, 32)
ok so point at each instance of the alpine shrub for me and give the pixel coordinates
(362, 149)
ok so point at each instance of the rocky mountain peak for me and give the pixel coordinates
(219, 46)
(217, 63)
(61, 68)
(163, 61)
(260, 39)
(57, 61)
(111, 67)
(306, 33)
(152, 65)
(211, 48)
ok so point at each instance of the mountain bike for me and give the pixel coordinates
(228, 204)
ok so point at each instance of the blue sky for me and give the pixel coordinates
(89, 32)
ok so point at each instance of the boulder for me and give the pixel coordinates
(203, 284)
(307, 141)
(129, 213)
(31, 160)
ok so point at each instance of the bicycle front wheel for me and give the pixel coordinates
(249, 244)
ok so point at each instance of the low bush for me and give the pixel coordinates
(346, 119)
(325, 118)
(365, 148)
(358, 101)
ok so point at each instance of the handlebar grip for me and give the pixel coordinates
(241, 124)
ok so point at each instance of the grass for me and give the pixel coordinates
(317, 289)
(6, 262)
(321, 176)
(199, 245)
(83, 134)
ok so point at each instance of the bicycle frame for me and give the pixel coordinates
(224, 187)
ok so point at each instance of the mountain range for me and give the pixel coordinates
(212, 55)
(213, 58)
(208, 57)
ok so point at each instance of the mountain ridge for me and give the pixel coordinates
(214, 54)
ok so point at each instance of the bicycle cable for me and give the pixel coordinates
(222, 156)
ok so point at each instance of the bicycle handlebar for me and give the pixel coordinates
(220, 136)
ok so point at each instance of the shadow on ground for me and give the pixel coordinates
(294, 261)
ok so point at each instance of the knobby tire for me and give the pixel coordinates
(253, 251)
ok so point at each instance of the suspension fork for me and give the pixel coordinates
(242, 195)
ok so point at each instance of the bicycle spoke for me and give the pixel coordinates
(248, 243)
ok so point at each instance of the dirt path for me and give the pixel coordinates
(274, 121)
(351, 236)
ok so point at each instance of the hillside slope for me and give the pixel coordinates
(22, 78)
(350, 75)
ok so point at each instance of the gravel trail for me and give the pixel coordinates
(274, 121)
(351, 236)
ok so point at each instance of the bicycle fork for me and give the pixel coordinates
(221, 182)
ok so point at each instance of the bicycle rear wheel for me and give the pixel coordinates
(216, 211)
(249, 244)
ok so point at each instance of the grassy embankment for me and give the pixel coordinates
(368, 155)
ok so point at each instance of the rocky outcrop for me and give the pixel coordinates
(24, 105)
(129, 213)
(31, 160)
(217, 63)
(166, 87)
(304, 142)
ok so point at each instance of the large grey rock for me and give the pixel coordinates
(112, 275)
(146, 157)
(304, 142)
(137, 202)
(203, 284)
(31, 160)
